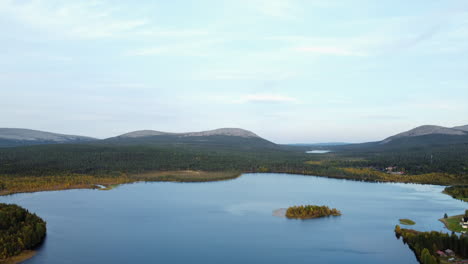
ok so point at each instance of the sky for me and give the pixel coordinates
(292, 71)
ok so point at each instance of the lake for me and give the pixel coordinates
(232, 222)
(318, 151)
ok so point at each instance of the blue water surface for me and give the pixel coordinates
(232, 222)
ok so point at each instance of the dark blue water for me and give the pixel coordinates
(232, 222)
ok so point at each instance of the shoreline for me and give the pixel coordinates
(280, 212)
(163, 177)
(447, 224)
(186, 176)
(109, 183)
(24, 255)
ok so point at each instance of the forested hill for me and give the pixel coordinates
(232, 138)
(12, 137)
(223, 138)
(419, 138)
(428, 158)
(426, 149)
(141, 151)
(214, 141)
(101, 158)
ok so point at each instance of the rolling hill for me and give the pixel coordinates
(427, 131)
(421, 151)
(222, 138)
(422, 137)
(11, 137)
(464, 128)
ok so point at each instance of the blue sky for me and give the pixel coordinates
(288, 70)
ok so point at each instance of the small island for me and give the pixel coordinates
(407, 222)
(310, 211)
(20, 232)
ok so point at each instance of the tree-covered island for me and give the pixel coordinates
(20, 231)
(310, 211)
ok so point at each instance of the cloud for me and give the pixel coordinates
(441, 105)
(245, 73)
(287, 9)
(120, 86)
(265, 98)
(191, 47)
(86, 20)
(384, 117)
(284, 9)
(329, 50)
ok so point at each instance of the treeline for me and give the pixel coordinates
(17, 184)
(98, 159)
(310, 211)
(426, 244)
(19, 230)
(457, 192)
(83, 164)
(450, 159)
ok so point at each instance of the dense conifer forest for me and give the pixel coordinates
(83, 165)
(426, 244)
(457, 192)
(19, 230)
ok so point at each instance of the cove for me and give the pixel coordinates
(232, 222)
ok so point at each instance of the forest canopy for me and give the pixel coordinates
(19, 230)
(426, 244)
(310, 211)
(457, 192)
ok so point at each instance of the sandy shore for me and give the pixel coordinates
(27, 254)
(280, 212)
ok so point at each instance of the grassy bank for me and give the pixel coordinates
(453, 223)
(21, 184)
(407, 222)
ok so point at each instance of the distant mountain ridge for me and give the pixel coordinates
(10, 137)
(464, 128)
(232, 138)
(324, 144)
(422, 137)
(235, 132)
(429, 130)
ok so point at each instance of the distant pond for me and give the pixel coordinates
(318, 151)
(232, 222)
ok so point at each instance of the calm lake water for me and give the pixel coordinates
(317, 151)
(232, 222)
